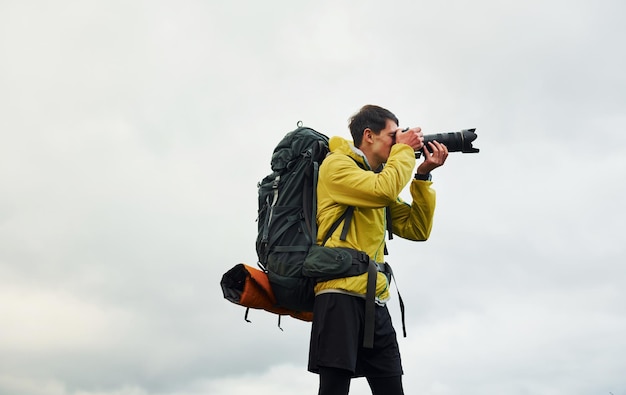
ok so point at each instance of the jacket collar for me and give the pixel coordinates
(340, 145)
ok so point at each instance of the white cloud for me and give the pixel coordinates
(30, 386)
(282, 379)
(37, 320)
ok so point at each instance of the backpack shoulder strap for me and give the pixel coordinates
(347, 218)
(389, 227)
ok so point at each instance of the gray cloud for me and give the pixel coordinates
(133, 136)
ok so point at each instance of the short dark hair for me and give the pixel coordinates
(372, 117)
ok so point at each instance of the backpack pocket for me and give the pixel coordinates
(326, 261)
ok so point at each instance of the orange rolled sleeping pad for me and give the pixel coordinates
(249, 287)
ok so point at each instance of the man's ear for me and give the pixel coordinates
(367, 135)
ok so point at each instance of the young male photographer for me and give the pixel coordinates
(367, 174)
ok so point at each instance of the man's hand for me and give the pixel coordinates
(412, 137)
(434, 158)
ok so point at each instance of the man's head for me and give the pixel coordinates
(369, 117)
(373, 130)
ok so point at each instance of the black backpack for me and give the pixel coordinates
(286, 216)
(287, 231)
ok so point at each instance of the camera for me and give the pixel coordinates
(454, 141)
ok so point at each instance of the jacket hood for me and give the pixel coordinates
(346, 147)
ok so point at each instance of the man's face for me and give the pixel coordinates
(382, 142)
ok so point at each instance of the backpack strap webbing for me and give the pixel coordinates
(347, 217)
(370, 306)
(388, 218)
(309, 201)
(370, 302)
(386, 268)
(346, 223)
(389, 227)
(313, 219)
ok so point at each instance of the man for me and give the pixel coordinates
(367, 175)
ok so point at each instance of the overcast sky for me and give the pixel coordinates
(133, 133)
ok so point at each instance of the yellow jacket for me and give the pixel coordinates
(342, 183)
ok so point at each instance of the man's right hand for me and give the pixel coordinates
(412, 137)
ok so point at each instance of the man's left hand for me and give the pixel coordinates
(435, 155)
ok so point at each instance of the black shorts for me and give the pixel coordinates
(337, 338)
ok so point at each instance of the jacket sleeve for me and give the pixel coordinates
(348, 184)
(414, 221)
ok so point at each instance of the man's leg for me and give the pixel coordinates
(386, 385)
(334, 381)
